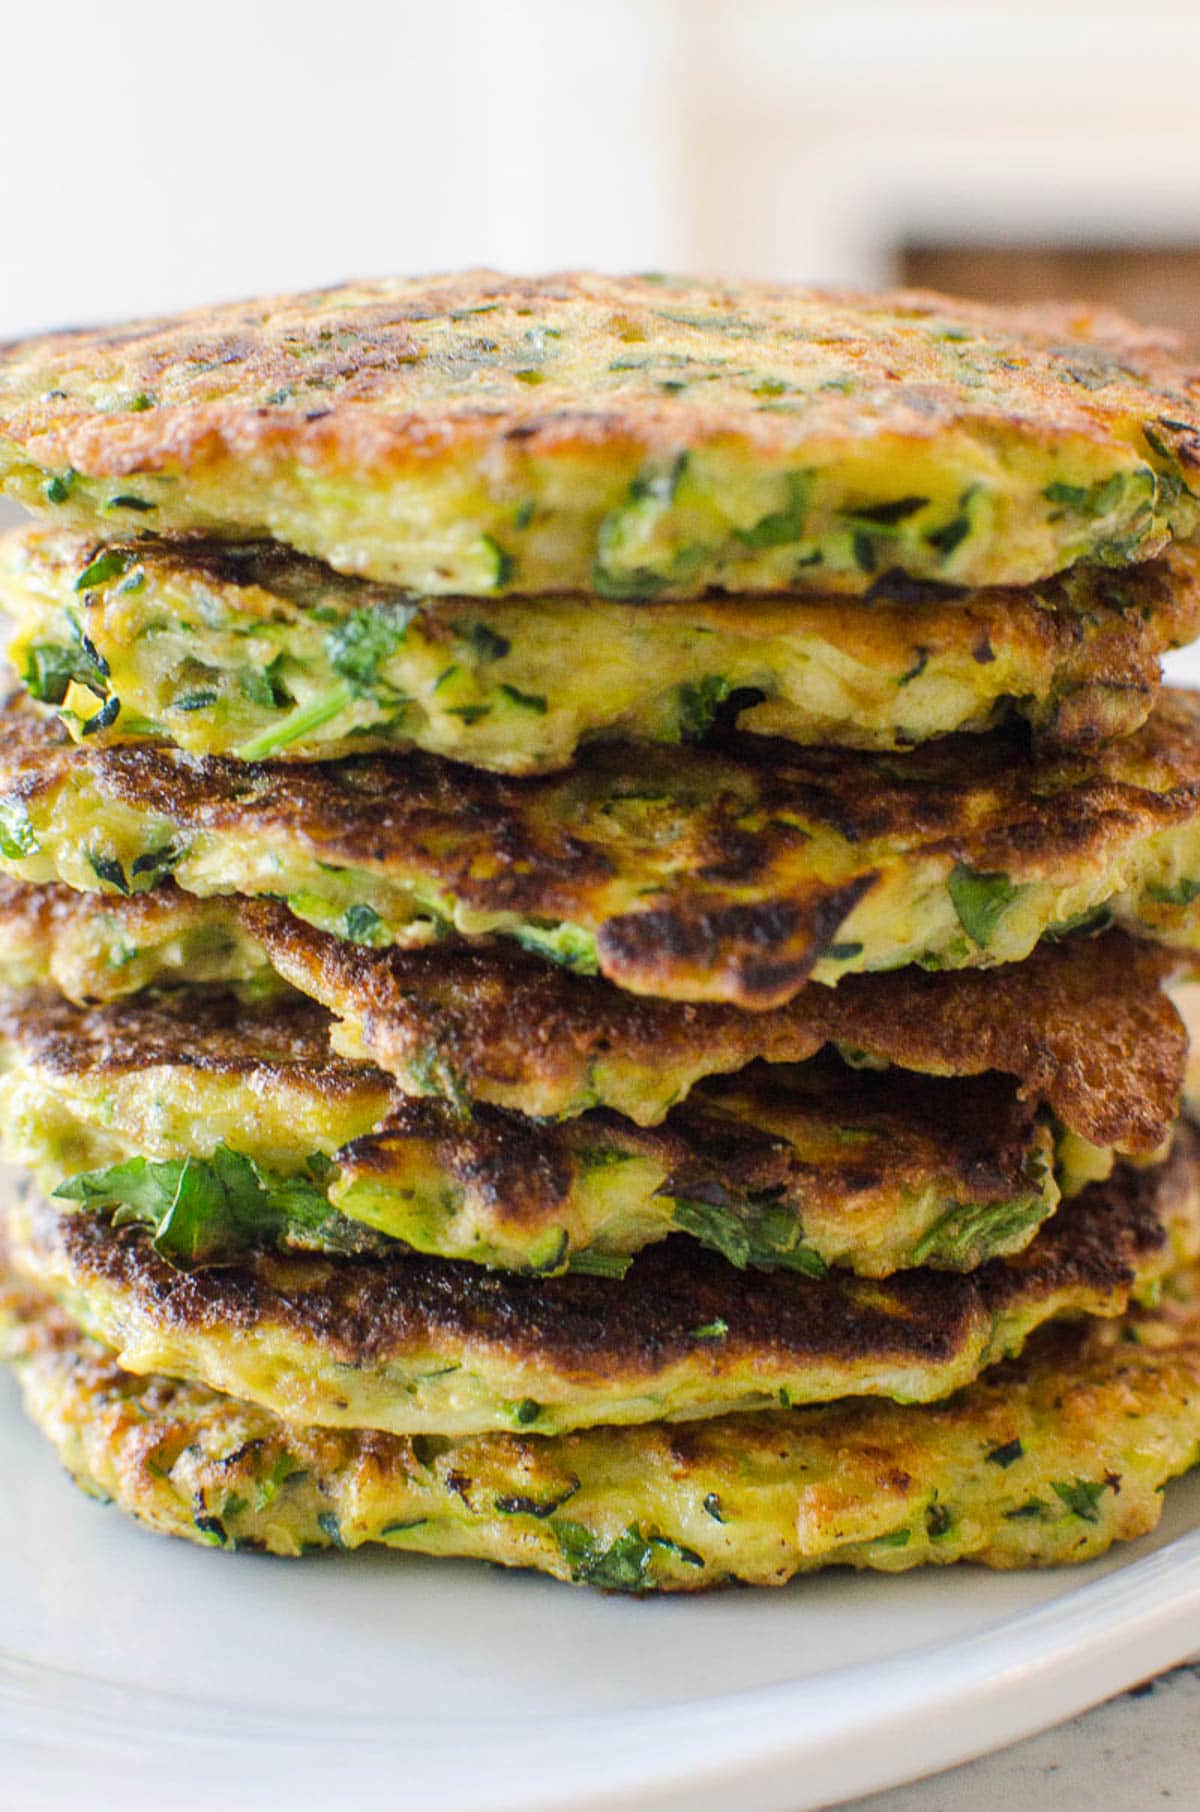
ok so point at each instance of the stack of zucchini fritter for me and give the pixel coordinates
(591, 873)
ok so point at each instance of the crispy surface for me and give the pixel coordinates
(1083, 1025)
(419, 1345)
(255, 651)
(796, 1169)
(177, 1075)
(487, 433)
(1044, 1460)
(729, 874)
(800, 1168)
(210, 1032)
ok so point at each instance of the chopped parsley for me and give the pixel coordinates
(781, 527)
(1181, 893)
(264, 685)
(938, 1521)
(951, 535)
(109, 565)
(109, 870)
(625, 1565)
(1097, 499)
(356, 648)
(102, 719)
(980, 900)
(569, 945)
(51, 667)
(863, 549)
(1080, 1496)
(329, 1526)
(505, 563)
(60, 485)
(898, 1538)
(364, 925)
(203, 1211)
(888, 515)
(157, 862)
(366, 638)
(970, 1232)
(483, 641)
(748, 1233)
(699, 702)
(525, 701)
(518, 1504)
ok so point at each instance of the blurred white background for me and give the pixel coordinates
(153, 155)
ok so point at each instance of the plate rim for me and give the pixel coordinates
(786, 1747)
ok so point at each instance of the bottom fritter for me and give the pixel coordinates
(1046, 1459)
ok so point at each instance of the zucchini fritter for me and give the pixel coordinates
(257, 652)
(634, 437)
(1083, 1025)
(250, 1093)
(730, 874)
(228, 1129)
(1044, 1460)
(418, 1345)
(778, 1167)
(94, 949)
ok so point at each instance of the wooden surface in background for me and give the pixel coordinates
(1158, 285)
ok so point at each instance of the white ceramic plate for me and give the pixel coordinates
(137, 1673)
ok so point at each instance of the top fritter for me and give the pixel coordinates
(633, 437)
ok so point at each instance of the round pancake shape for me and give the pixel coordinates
(1083, 1025)
(721, 874)
(421, 1346)
(482, 434)
(257, 652)
(228, 1130)
(1044, 1460)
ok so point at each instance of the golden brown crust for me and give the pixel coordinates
(213, 1032)
(675, 1304)
(396, 372)
(899, 1132)
(819, 1155)
(487, 434)
(731, 815)
(1041, 1461)
(38, 916)
(1078, 656)
(701, 873)
(1082, 1024)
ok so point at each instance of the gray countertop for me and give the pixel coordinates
(1138, 1751)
